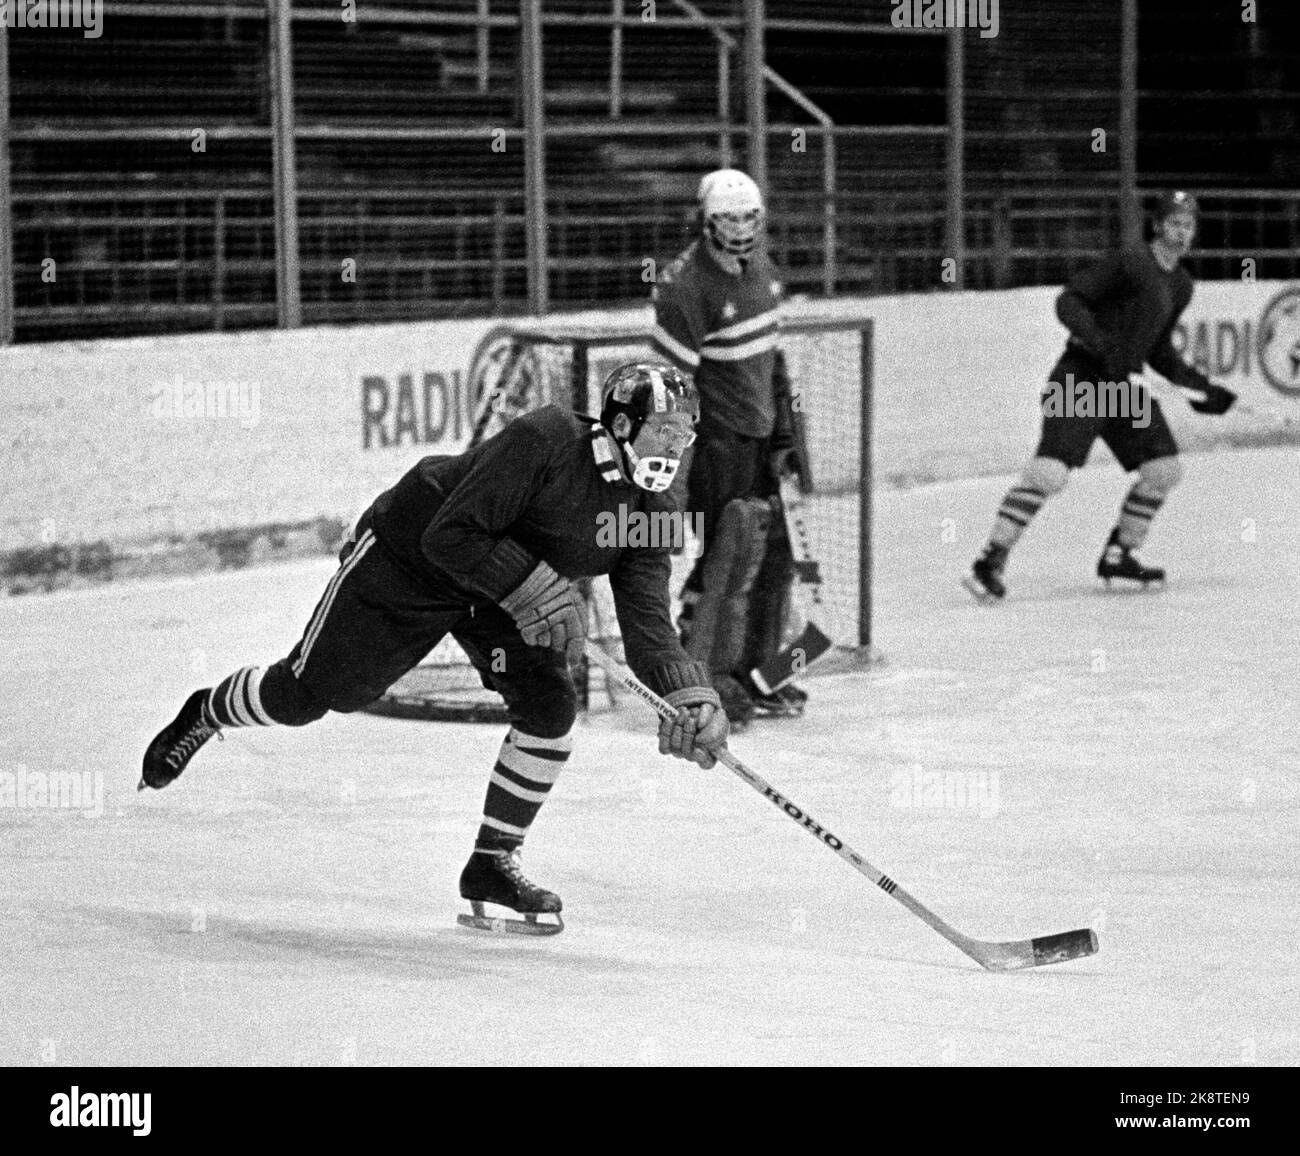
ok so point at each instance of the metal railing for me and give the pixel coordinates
(148, 261)
(865, 209)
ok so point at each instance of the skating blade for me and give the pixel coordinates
(501, 925)
(982, 596)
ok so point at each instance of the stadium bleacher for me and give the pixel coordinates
(396, 114)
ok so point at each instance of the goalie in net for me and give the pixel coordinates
(716, 317)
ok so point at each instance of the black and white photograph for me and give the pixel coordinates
(651, 534)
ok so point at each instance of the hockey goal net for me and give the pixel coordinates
(829, 359)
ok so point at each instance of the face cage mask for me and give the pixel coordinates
(733, 236)
(653, 473)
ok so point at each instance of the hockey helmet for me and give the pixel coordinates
(731, 205)
(637, 391)
(1175, 201)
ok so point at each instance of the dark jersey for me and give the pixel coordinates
(479, 522)
(722, 330)
(1128, 300)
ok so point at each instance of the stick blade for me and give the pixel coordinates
(792, 661)
(1064, 947)
(1025, 953)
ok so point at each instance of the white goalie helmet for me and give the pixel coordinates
(732, 207)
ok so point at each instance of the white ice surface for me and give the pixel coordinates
(292, 897)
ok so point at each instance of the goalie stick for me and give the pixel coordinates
(812, 643)
(1009, 955)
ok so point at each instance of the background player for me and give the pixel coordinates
(1121, 314)
(716, 318)
(483, 546)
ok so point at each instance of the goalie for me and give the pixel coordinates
(716, 318)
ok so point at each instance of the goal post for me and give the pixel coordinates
(866, 509)
(830, 359)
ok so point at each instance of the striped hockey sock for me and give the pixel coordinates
(525, 771)
(1016, 512)
(236, 701)
(1135, 516)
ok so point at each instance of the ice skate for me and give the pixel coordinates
(795, 697)
(985, 579)
(787, 701)
(177, 743)
(495, 877)
(1117, 561)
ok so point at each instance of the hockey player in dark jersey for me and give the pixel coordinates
(716, 318)
(485, 546)
(1121, 315)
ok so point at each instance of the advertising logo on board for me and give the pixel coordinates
(1279, 342)
(1252, 344)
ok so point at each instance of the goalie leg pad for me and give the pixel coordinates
(721, 618)
(770, 599)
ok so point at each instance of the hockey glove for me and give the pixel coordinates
(549, 611)
(1216, 401)
(700, 729)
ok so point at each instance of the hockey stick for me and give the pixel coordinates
(795, 659)
(1011, 955)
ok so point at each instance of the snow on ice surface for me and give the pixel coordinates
(292, 898)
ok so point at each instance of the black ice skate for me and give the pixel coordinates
(174, 745)
(985, 579)
(785, 702)
(796, 698)
(496, 877)
(1117, 561)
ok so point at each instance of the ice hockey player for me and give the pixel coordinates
(716, 318)
(485, 546)
(1121, 314)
